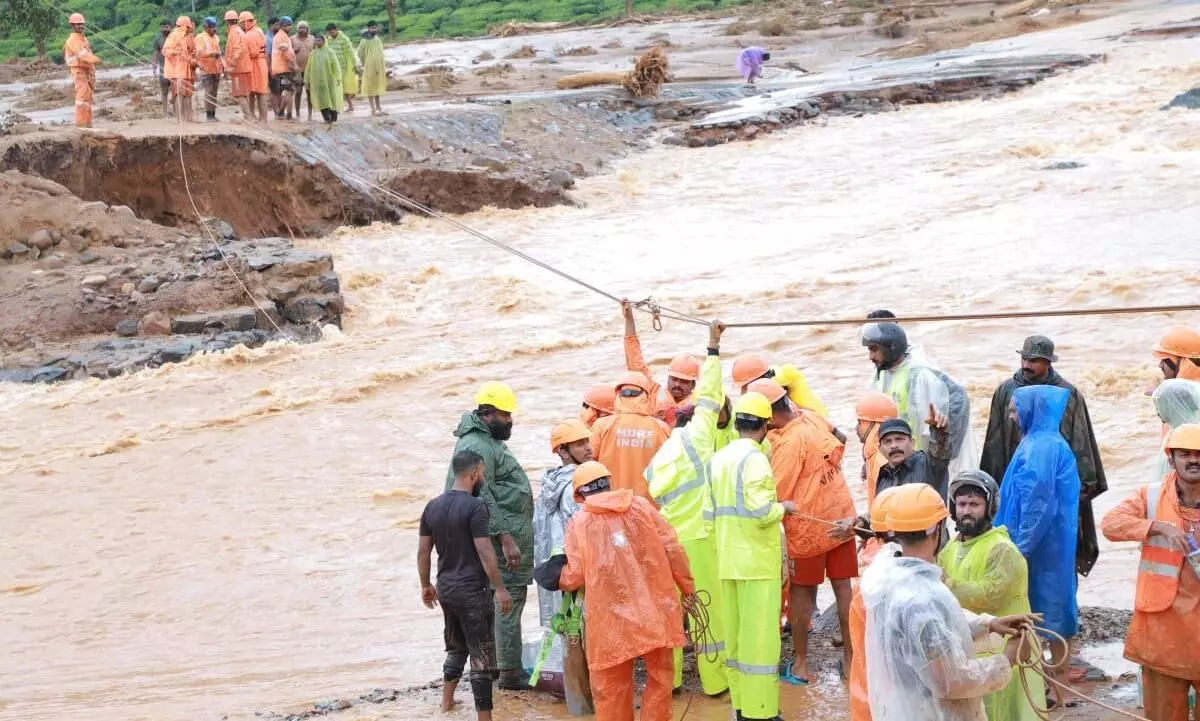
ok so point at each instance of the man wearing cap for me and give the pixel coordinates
(907, 465)
(283, 70)
(681, 374)
(509, 499)
(302, 43)
(209, 66)
(749, 540)
(1003, 436)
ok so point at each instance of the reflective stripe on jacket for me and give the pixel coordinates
(746, 515)
(1158, 570)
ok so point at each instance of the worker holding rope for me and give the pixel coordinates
(681, 374)
(627, 440)
(1165, 518)
(751, 367)
(920, 661)
(678, 481)
(860, 698)
(77, 54)
(987, 574)
(630, 562)
(806, 461)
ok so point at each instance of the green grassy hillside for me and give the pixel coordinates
(134, 23)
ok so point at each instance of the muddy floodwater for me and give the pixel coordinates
(238, 532)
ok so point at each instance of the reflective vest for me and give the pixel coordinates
(896, 386)
(1158, 571)
(678, 482)
(745, 514)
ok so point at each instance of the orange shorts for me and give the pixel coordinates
(839, 564)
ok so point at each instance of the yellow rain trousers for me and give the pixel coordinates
(749, 542)
(677, 479)
(988, 574)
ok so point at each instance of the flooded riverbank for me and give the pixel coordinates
(238, 532)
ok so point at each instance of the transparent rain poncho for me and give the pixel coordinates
(1178, 403)
(921, 663)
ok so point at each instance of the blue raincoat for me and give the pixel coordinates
(1039, 503)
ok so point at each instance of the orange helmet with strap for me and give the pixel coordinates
(635, 379)
(684, 367)
(749, 367)
(568, 432)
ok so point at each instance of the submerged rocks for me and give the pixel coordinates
(1189, 100)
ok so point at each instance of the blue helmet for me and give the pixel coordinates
(285, 20)
(210, 22)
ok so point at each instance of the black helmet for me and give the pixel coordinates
(888, 336)
(978, 480)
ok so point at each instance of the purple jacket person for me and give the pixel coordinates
(749, 63)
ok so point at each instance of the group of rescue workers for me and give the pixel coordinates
(664, 505)
(275, 68)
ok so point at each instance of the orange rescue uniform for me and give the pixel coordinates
(806, 460)
(873, 463)
(256, 50)
(79, 58)
(665, 406)
(206, 46)
(630, 562)
(237, 62)
(283, 56)
(1166, 617)
(626, 442)
(860, 699)
(180, 66)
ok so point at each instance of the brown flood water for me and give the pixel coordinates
(237, 533)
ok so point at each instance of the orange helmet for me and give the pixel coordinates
(601, 397)
(231, 15)
(588, 472)
(881, 507)
(768, 388)
(183, 22)
(916, 508)
(684, 367)
(76, 19)
(568, 432)
(1185, 437)
(876, 407)
(246, 16)
(635, 379)
(1178, 342)
(748, 368)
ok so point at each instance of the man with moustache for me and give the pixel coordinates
(1003, 436)
(988, 575)
(907, 465)
(509, 499)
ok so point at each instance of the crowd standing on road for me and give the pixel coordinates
(666, 503)
(275, 69)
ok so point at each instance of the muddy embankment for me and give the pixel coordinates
(115, 259)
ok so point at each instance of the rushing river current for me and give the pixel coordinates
(238, 532)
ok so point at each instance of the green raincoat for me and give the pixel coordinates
(988, 574)
(370, 55)
(343, 47)
(323, 78)
(507, 493)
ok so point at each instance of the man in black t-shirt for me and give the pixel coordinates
(456, 524)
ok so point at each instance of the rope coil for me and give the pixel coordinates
(1031, 656)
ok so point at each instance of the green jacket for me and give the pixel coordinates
(506, 492)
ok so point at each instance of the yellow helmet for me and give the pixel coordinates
(916, 508)
(753, 404)
(498, 396)
(1185, 437)
(881, 507)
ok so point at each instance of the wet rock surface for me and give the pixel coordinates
(1189, 100)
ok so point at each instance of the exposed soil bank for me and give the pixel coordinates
(260, 188)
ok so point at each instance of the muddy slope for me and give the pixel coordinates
(260, 188)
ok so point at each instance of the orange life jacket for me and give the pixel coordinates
(1158, 571)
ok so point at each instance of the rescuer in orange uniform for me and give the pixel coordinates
(597, 403)
(860, 699)
(77, 53)
(751, 367)
(256, 51)
(180, 68)
(629, 561)
(210, 66)
(806, 461)
(681, 374)
(1165, 519)
(626, 441)
(237, 62)
(1178, 353)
